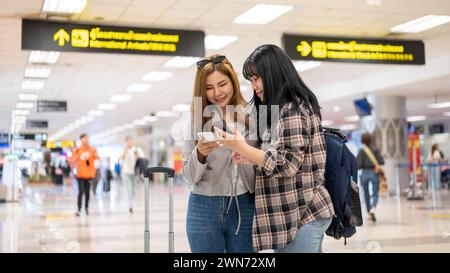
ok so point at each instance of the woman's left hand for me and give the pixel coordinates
(233, 141)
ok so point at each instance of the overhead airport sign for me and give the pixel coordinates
(60, 144)
(354, 50)
(51, 106)
(56, 36)
(35, 137)
(35, 123)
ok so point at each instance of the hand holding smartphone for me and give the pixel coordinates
(208, 136)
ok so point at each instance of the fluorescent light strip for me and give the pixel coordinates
(106, 106)
(95, 113)
(166, 114)
(33, 84)
(28, 96)
(24, 105)
(421, 24)
(181, 107)
(139, 87)
(215, 42)
(439, 105)
(120, 98)
(64, 6)
(262, 14)
(21, 112)
(43, 57)
(302, 66)
(416, 118)
(37, 72)
(181, 62)
(157, 76)
(87, 118)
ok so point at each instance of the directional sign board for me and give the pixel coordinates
(51, 106)
(56, 36)
(354, 50)
(36, 137)
(34, 123)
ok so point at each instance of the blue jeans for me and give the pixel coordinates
(370, 177)
(211, 230)
(309, 238)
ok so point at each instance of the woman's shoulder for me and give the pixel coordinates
(293, 109)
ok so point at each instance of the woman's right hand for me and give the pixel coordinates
(239, 159)
(205, 148)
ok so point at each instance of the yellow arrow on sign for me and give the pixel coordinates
(304, 48)
(62, 36)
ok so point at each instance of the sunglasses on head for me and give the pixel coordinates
(215, 60)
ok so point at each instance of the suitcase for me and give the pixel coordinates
(147, 174)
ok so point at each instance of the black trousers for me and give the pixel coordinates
(83, 189)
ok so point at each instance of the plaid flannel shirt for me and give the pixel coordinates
(289, 189)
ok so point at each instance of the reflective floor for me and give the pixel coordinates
(44, 221)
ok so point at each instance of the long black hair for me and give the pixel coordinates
(282, 83)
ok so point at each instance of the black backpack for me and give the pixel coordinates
(141, 165)
(341, 176)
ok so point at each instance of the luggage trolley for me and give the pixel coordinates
(170, 174)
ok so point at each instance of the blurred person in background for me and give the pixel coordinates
(435, 158)
(83, 159)
(369, 161)
(129, 157)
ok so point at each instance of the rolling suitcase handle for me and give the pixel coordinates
(170, 173)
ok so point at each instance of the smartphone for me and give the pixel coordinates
(223, 127)
(208, 136)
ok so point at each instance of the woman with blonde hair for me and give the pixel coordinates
(221, 203)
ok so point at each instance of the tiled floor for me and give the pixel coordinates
(44, 221)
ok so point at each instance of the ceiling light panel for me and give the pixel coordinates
(120, 98)
(157, 76)
(262, 14)
(181, 62)
(421, 24)
(138, 87)
(64, 6)
(43, 57)
(37, 72)
(28, 96)
(33, 84)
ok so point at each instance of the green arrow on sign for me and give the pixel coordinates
(304, 48)
(62, 36)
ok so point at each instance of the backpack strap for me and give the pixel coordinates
(370, 155)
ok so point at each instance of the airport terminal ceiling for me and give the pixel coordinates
(86, 80)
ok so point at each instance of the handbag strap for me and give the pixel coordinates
(370, 155)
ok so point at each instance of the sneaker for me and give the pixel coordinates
(77, 214)
(131, 210)
(87, 212)
(372, 215)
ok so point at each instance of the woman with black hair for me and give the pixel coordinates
(293, 208)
